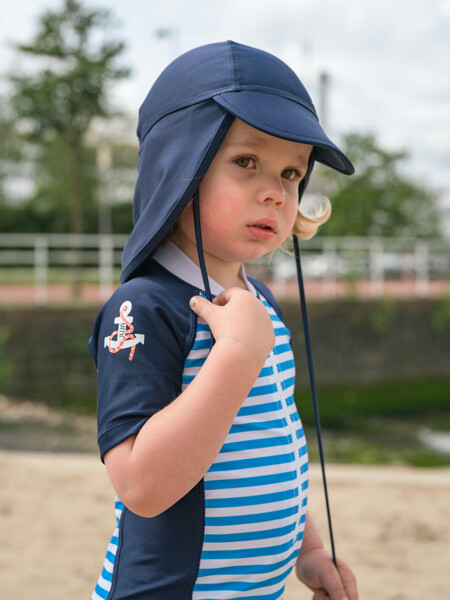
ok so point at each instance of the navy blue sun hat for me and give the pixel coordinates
(185, 117)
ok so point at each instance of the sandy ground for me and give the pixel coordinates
(56, 515)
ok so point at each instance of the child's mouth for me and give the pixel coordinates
(262, 230)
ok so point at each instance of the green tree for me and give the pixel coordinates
(378, 200)
(76, 63)
(10, 151)
(53, 180)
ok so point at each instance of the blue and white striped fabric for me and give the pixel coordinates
(256, 490)
(104, 582)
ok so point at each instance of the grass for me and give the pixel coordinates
(341, 404)
(25, 275)
(378, 423)
(381, 441)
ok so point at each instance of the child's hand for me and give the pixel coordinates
(316, 570)
(239, 316)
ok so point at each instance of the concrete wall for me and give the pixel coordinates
(364, 341)
(44, 354)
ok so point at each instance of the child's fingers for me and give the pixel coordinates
(201, 306)
(333, 586)
(320, 595)
(223, 298)
(348, 580)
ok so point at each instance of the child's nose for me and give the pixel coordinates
(272, 190)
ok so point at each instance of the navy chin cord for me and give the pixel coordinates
(198, 237)
(313, 387)
(201, 259)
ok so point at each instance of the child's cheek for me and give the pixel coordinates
(219, 225)
(293, 216)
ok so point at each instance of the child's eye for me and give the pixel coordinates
(244, 161)
(291, 174)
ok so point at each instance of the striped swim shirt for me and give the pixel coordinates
(238, 533)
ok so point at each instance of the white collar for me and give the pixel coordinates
(177, 262)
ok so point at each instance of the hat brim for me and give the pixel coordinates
(287, 119)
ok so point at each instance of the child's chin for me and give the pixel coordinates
(246, 253)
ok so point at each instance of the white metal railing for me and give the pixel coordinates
(377, 260)
(326, 259)
(42, 253)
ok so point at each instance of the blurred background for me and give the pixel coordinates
(72, 77)
(377, 275)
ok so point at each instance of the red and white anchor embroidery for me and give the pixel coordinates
(125, 336)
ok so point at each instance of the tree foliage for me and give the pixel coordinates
(75, 65)
(54, 180)
(378, 200)
(9, 147)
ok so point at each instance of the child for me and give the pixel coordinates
(197, 424)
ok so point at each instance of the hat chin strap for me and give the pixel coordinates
(312, 379)
(312, 383)
(201, 260)
(198, 238)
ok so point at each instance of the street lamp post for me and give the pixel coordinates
(168, 33)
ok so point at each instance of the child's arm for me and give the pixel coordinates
(176, 446)
(315, 568)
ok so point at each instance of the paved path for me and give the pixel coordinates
(60, 293)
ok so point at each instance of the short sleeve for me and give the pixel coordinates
(139, 343)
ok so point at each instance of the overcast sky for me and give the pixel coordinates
(388, 60)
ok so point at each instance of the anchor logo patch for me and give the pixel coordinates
(125, 336)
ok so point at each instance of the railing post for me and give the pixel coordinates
(41, 270)
(106, 266)
(329, 280)
(376, 268)
(422, 281)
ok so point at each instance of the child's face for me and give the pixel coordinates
(248, 197)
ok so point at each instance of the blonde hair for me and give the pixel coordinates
(313, 211)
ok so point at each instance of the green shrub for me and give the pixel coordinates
(340, 403)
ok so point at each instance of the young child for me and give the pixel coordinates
(197, 423)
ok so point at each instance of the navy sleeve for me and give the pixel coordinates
(140, 341)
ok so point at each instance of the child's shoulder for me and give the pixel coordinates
(265, 291)
(152, 288)
(155, 301)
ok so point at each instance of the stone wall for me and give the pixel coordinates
(45, 356)
(364, 341)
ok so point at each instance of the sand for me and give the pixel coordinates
(56, 515)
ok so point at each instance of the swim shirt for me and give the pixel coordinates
(238, 532)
